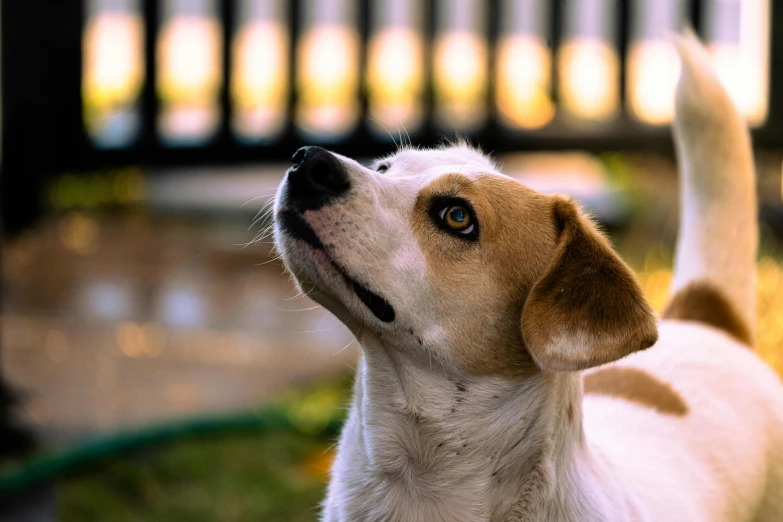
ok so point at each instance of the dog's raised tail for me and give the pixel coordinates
(715, 261)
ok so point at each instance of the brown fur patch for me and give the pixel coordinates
(702, 302)
(636, 386)
(537, 261)
(480, 287)
(587, 309)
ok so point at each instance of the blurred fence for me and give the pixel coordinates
(193, 81)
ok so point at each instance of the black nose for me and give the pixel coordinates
(317, 178)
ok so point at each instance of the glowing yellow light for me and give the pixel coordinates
(259, 86)
(653, 70)
(113, 71)
(189, 77)
(327, 81)
(523, 82)
(460, 81)
(395, 78)
(589, 71)
(743, 67)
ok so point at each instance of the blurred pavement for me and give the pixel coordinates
(113, 321)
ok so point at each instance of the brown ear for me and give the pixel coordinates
(587, 309)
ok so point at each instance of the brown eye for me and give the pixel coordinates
(383, 167)
(457, 218)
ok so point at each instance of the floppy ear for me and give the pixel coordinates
(587, 308)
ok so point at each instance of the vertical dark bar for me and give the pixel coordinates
(43, 132)
(227, 17)
(149, 145)
(623, 22)
(294, 32)
(364, 28)
(556, 21)
(493, 36)
(429, 28)
(772, 132)
(695, 16)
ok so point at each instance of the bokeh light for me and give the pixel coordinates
(737, 35)
(523, 70)
(259, 87)
(523, 82)
(460, 66)
(189, 66)
(587, 61)
(395, 68)
(328, 70)
(653, 66)
(113, 72)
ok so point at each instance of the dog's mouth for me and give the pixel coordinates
(295, 225)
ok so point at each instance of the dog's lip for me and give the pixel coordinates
(296, 226)
(379, 306)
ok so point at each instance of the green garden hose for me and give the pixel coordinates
(46, 468)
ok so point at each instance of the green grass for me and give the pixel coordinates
(232, 477)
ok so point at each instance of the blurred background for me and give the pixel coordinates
(155, 361)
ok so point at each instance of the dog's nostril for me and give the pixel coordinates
(299, 156)
(316, 177)
(329, 176)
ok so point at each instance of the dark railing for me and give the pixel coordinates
(43, 106)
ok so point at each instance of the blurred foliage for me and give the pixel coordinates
(107, 188)
(233, 477)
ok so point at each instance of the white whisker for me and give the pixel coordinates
(387, 132)
(343, 348)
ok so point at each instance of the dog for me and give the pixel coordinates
(511, 368)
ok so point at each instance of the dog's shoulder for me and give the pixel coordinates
(692, 369)
(697, 400)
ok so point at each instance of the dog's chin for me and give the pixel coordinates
(325, 282)
(314, 276)
(323, 295)
(310, 261)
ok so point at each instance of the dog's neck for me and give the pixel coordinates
(425, 442)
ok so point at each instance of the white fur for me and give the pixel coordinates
(426, 441)
(718, 235)
(722, 461)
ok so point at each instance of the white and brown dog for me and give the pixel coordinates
(511, 368)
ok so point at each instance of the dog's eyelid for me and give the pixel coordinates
(441, 203)
(468, 230)
(382, 167)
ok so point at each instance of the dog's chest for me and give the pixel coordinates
(429, 471)
(422, 480)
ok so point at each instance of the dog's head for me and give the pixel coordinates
(439, 254)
